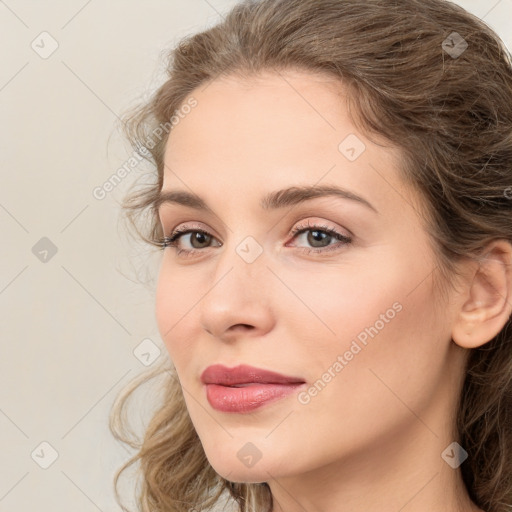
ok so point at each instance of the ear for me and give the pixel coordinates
(487, 304)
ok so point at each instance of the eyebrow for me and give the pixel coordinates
(274, 200)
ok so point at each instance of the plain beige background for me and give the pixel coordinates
(76, 324)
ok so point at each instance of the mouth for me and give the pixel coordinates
(245, 388)
(245, 375)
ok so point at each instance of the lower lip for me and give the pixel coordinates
(247, 398)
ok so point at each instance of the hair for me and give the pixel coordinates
(451, 118)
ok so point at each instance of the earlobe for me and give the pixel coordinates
(488, 298)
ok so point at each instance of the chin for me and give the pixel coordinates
(241, 476)
(235, 469)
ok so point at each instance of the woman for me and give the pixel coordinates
(334, 204)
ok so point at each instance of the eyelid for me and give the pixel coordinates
(320, 224)
(187, 225)
(311, 219)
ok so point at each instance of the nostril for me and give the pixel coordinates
(242, 326)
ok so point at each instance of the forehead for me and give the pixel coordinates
(274, 131)
(262, 106)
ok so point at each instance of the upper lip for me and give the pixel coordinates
(244, 374)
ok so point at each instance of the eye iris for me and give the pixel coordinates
(317, 236)
(200, 237)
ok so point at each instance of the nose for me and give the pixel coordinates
(238, 298)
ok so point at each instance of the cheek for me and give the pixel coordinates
(174, 300)
(384, 302)
(333, 304)
(388, 347)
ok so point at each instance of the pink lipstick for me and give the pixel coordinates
(245, 388)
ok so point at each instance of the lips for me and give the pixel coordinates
(244, 388)
(244, 375)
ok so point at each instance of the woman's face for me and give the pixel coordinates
(357, 322)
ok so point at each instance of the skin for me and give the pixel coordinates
(372, 438)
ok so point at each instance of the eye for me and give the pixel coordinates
(319, 237)
(198, 238)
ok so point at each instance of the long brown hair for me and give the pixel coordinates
(412, 80)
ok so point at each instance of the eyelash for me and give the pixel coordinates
(170, 241)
